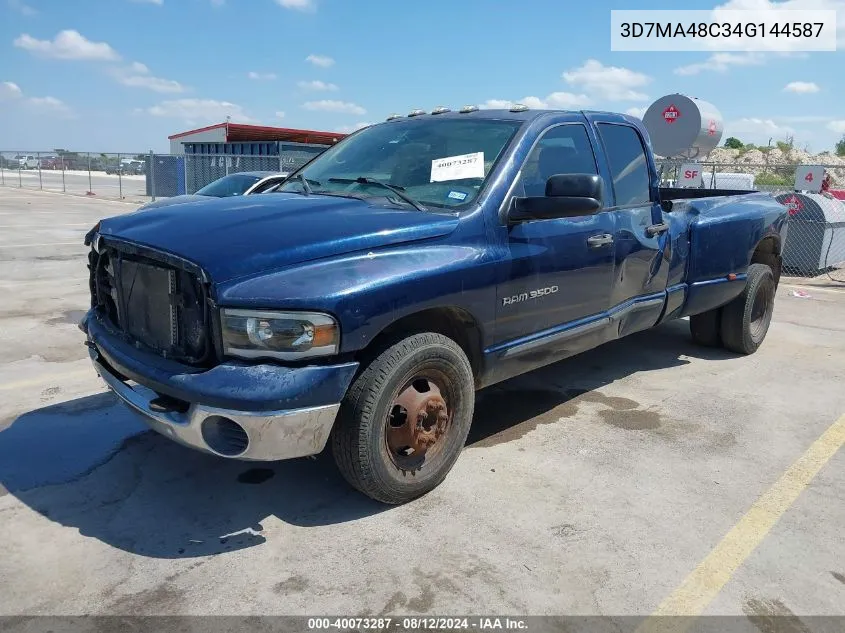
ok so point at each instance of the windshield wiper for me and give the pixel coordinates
(397, 191)
(306, 183)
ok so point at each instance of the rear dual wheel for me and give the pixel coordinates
(405, 419)
(741, 325)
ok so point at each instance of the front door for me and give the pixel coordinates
(559, 271)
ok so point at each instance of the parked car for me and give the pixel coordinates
(414, 262)
(50, 162)
(244, 183)
(125, 168)
(22, 161)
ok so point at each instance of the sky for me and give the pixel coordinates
(122, 75)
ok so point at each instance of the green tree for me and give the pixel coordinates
(733, 143)
(840, 146)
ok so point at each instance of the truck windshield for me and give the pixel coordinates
(435, 162)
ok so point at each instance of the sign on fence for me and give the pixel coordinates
(690, 177)
(809, 178)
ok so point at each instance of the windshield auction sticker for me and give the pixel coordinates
(457, 167)
(724, 30)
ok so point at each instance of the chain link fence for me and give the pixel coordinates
(137, 177)
(815, 243)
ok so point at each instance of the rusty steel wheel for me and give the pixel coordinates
(405, 418)
(417, 423)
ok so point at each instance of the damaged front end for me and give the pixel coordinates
(153, 335)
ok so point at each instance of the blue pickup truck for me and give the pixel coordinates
(363, 302)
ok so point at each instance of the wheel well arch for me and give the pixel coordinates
(768, 251)
(456, 323)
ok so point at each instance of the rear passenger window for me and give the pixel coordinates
(628, 165)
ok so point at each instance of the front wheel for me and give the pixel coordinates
(404, 421)
(746, 319)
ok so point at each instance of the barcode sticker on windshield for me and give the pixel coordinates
(458, 167)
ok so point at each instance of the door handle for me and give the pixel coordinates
(597, 241)
(656, 229)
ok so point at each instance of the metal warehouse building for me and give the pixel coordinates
(240, 133)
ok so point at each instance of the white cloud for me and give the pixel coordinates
(22, 8)
(280, 114)
(721, 62)
(613, 83)
(156, 84)
(328, 105)
(320, 60)
(637, 112)
(808, 118)
(298, 5)
(50, 104)
(317, 85)
(199, 110)
(757, 131)
(137, 75)
(9, 90)
(68, 44)
(837, 126)
(554, 101)
(348, 129)
(801, 87)
(261, 76)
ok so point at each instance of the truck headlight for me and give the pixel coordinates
(280, 335)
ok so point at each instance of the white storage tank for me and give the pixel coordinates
(683, 127)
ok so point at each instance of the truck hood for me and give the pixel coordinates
(240, 236)
(167, 202)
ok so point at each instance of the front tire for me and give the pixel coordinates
(404, 420)
(746, 319)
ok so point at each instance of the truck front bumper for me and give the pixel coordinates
(249, 412)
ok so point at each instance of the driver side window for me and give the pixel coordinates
(564, 149)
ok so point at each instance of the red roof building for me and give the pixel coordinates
(243, 133)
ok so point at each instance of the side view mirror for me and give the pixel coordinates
(567, 196)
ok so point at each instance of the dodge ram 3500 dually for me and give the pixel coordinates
(413, 263)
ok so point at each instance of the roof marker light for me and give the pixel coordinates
(440, 110)
(468, 108)
(519, 107)
(416, 112)
(394, 116)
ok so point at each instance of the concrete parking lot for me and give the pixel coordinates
(100, 184)
(612, 483)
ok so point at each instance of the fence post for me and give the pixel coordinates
(20, 180)
(64, 189)
(152, 176)
(185, 170)
(119, 178)
(90, 186)
(2, 170)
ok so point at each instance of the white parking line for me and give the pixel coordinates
(39, 245)
(41, 226)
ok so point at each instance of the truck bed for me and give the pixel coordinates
(677, 193)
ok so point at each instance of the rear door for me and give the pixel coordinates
(641, 269)
(558, 270)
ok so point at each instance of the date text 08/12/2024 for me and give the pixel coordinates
(417, 624)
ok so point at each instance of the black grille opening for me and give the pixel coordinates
(153, 305)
